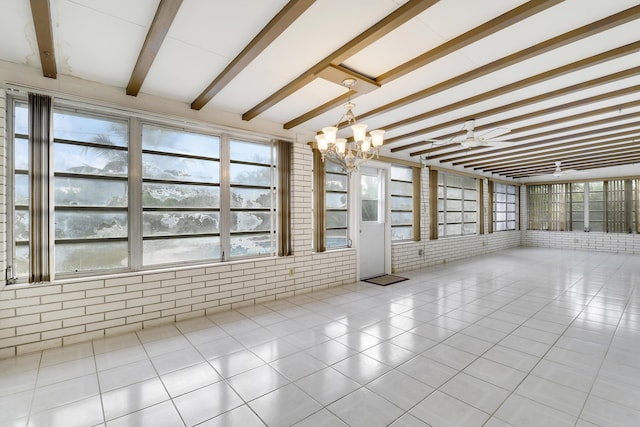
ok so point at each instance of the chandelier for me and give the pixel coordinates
(349, 154)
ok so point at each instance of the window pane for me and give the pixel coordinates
(177, 195)
(250, 221)
(401, 203)
(335, 182)
(401, 218)
(250, 174)
(336, 238)
(454, 229)
(21, 225)
(402, 188)
(89, 160)
(252, 245)
(336, 201)
(172, 223)
(454, 193)
(21, 154)
(81, 127)
(90, 224)
(251, 152)
(179, 142)
(21, 264)
(90, 192)
(370, 210)
(21, 118)
(336, 219)
(470, 228)
(170, 251)
(171, 168)
(251, 197)
(89, 256)
(21, 190)
(401, 173)
(401, 233)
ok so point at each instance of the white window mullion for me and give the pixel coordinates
(135, 194)
(225, 198)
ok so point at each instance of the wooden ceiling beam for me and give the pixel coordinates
(530, 52)
(501, 22)
(287, 16)
(41, 13)
(166, 12)
(336, 74)
(404, 13)
(558, 108)
(501, 109)
(569, 165)
(472, 161)
(561, 130)
(500, 152)
(570, 155)
(582, 166)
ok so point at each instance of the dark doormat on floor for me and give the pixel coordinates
(385, 280)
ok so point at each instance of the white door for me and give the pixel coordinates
(372, 244)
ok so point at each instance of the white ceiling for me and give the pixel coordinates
(99, 41)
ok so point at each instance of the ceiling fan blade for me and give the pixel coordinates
(501, 144)
(494, 133)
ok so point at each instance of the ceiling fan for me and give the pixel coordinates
(471, 140)
(558, 172)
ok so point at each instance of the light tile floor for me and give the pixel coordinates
(526, 337)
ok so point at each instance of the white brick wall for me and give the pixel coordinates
(37, 317)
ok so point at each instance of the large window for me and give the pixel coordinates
(336, 202)
(402, 203)
(457, 205)
(606, 206)
(505, 204)
(167, 196)
(180, 195)
(548, 207)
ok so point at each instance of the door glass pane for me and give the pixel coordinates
(370, 194)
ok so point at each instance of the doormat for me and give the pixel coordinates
(385, 280)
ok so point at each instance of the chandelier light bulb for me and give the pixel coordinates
(341, 145)
(323, 145)
(359, 132)
(377, 137)
(330, 133)
(366, 145)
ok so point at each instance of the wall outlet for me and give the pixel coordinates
(420, 252)
(292, 271)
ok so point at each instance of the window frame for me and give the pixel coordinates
(493, 202)
(278, 227)
(443, 212)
